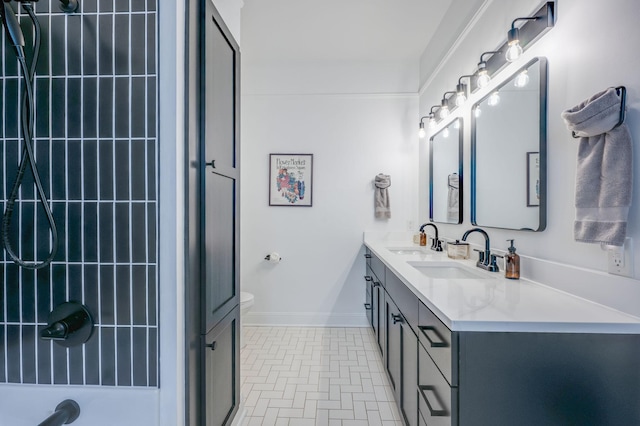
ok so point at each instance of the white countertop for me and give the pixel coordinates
(491, 302)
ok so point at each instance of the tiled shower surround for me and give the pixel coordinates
(96, 150)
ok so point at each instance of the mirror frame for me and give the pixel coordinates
(460, 166)
(542, 217)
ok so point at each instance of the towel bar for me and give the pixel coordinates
(622, 92)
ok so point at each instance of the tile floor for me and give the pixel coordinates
(315, 376)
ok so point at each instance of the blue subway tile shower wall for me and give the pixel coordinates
(96, 151)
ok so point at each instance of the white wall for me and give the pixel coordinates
(586, 54)
(352, 138)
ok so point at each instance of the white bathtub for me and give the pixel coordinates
(28, 405)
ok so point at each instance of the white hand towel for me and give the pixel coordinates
(604, 173)
(382, 204)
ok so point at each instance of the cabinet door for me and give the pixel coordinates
(409, 400)
(221, 348)
(219, 170)
(394, 346)
(375, 301)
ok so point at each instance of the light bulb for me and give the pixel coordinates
(445, 133)
(460, 99)
(422, 133)
(477, 112)
(494, 99)
(483, 78)
(444, 112)
(514, 51)
(432, 123)
(522, 79)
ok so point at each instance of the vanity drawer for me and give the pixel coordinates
(378, 268)
(440, 343)
(437, 401)
(404, 298)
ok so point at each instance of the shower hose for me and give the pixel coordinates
(28, 157)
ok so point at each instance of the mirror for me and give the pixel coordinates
(508, 152)
(445, 174)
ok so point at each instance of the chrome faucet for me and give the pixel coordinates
(486, 260)
(436, 244)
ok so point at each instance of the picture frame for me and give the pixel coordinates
(291, 180)
(533, 179)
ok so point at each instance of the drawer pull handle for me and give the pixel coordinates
(368, 278)
(367, 256)
(367, 306)
(436, 407)
(376, 283)
(211, 346)
(397, 318)
(440, 343)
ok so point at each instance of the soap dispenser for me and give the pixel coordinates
(512, 263)
(423, 238)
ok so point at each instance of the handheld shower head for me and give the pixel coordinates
(12, 27)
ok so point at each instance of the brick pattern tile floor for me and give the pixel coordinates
(315, 376)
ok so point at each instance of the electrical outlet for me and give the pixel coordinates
(621, 259)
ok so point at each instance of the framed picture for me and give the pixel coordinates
(290, 180)
(533, 179)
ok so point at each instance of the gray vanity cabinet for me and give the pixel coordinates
(443, 377)
(375, 283)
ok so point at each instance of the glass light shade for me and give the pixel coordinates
(421, 132)
(460, 99)
(514, 51)
(494, 99)
(521, 79)
(483, 78)
(444, 112)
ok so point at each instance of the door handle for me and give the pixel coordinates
(212, 163)
(397, 318)
(211, 346)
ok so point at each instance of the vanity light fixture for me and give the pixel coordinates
(521, 79)
(494, 99)
(432, 117)
(444, 106)
(421, 132)
(483, 74)
(538, 24)
(461, 90)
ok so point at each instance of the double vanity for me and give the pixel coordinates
(465, 346)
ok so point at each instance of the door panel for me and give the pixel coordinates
(222, 370)
(220, 245)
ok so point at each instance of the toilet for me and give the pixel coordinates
(246, 302)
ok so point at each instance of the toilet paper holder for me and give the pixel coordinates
(273, 257)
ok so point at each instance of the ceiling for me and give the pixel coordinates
(344, 30)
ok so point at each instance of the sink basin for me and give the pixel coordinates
(448, 270)
(408, 250)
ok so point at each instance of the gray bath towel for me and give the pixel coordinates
(453, 198)
(604, 169)
(382, 205)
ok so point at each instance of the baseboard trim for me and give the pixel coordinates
(305, 319)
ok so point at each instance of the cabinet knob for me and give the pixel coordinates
(367, 278)
(376, 283)
(367, 306)
(211, 163)
(211, 346)
(367, 256)
(397, 318)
